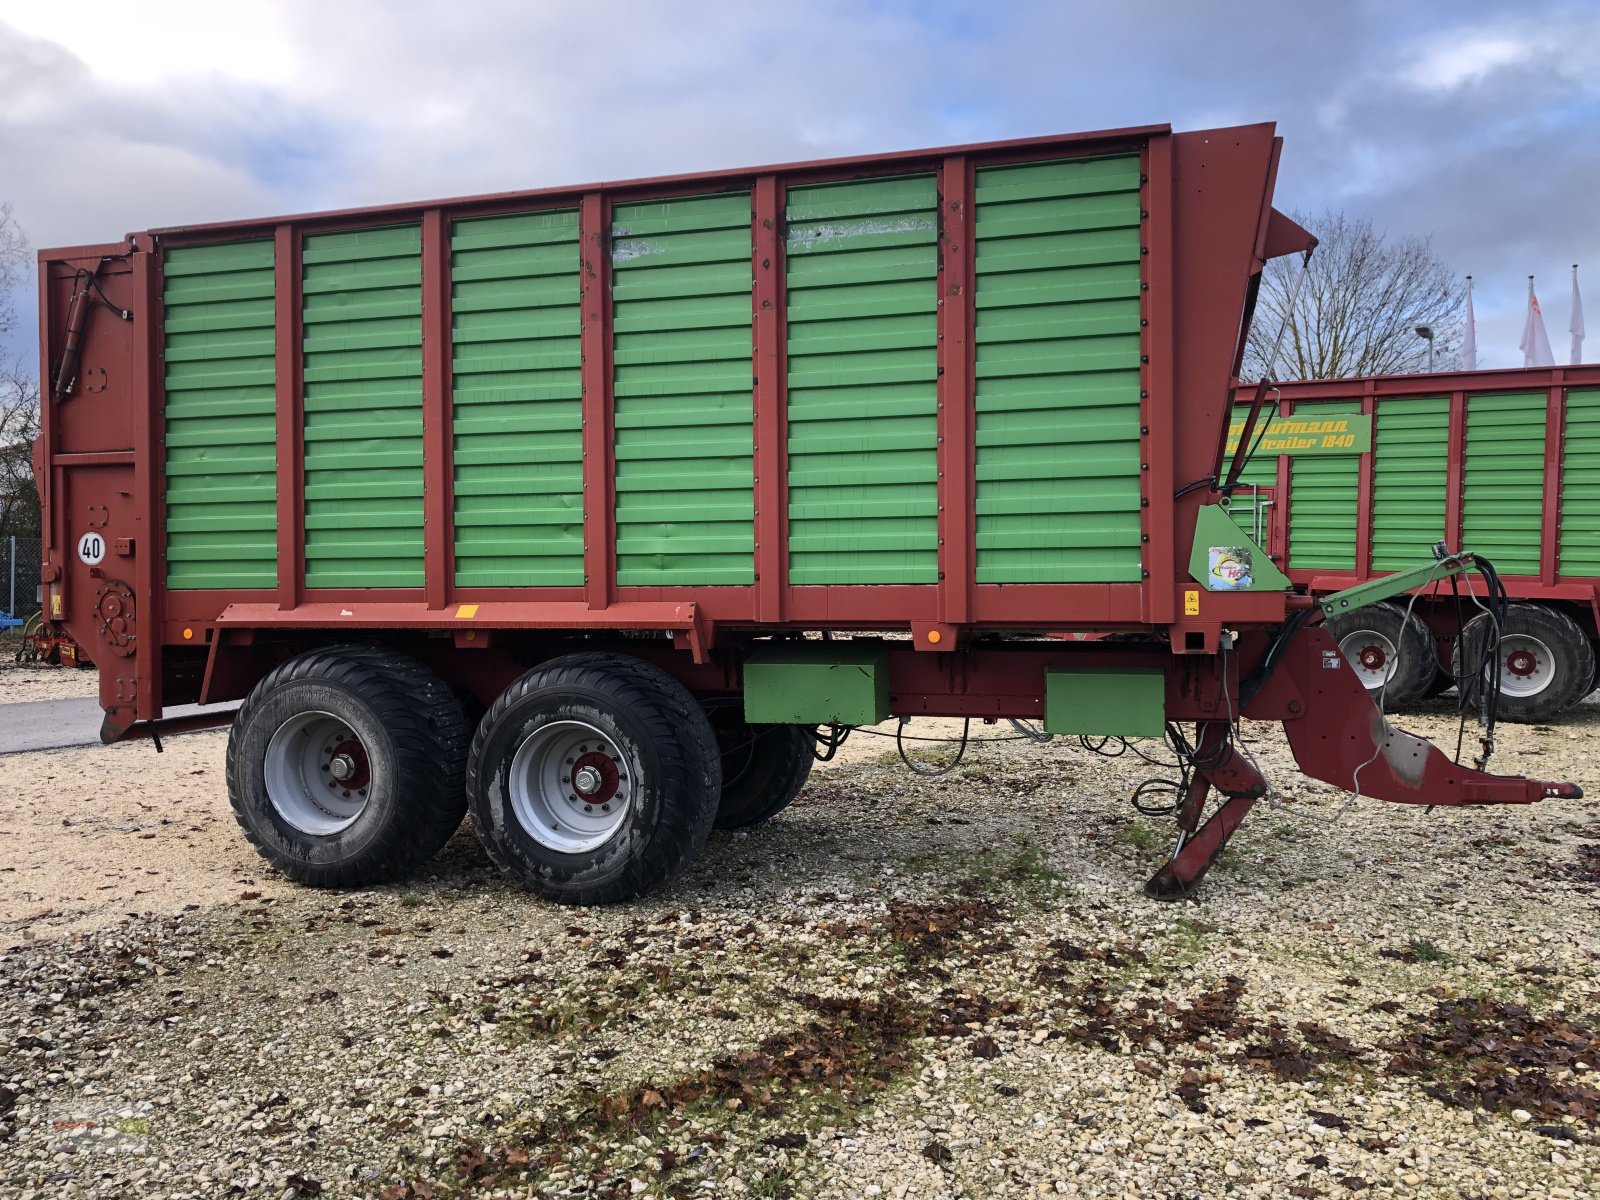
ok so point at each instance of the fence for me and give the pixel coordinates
(19, 579)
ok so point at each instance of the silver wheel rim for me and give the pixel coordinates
(318, 773)
(570, 786)
(1371, 655)
(1527, 666)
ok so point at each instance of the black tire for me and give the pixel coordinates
(1394, 657)
(664, 764)
(763, 766)
(1547, 663)
(409, 743)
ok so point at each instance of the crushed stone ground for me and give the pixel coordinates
(899, 987)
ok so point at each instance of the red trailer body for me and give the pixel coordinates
(1063, 315)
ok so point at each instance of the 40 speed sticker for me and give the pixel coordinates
(92, 549)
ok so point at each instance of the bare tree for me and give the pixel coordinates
(19, 396)
(19, 425)
(13, 265)
(1357, 309)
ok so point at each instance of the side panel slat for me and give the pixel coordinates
(517, 401)
(1580, 486)
(1324, 502)
(1056, 341)
(362, 351)
(1410, 474)
(862, 308)
(221, 488)
(1503, 483)
(683, 383)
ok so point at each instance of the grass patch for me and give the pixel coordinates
(1427, 952)
(1139, 836)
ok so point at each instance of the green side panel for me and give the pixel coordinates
(1056, 345)
(1410, 474)
(681, 329)
(862, 310)
(1106, 701)
(518, 400)
(1324, 498)
(1580, 486)
(363, 408)
(1224, 558)
(830, 684)
(221, 432)
(1502, 488)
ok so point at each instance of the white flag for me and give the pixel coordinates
(1535, 343)
(1576, 327)
(1469, 343)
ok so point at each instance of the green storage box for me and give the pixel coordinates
(1106, 701)
(821, 685)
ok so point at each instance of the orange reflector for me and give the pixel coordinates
(935, 636)
(188, 635)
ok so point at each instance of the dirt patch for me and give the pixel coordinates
(21, 682)
(93, 832)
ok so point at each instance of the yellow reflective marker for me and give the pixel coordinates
(1191, 602)
(466, 611)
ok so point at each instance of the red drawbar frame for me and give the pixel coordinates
(1199, 248)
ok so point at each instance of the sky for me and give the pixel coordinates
(1474, 124)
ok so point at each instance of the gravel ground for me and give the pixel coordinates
(901, 986)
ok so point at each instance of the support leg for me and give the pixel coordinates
(1219, 765)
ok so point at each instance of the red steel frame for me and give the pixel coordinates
(1551, 582)
(1187, 345)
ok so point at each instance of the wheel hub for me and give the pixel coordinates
(348, 765)
(1371, 655)
(318, 774)
(594, 777)
(570, 786)
(1527, 665)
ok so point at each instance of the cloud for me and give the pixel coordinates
(1452, 63)
(1446, 118)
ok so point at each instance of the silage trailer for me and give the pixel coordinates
(586, 508)
(1504, 461)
